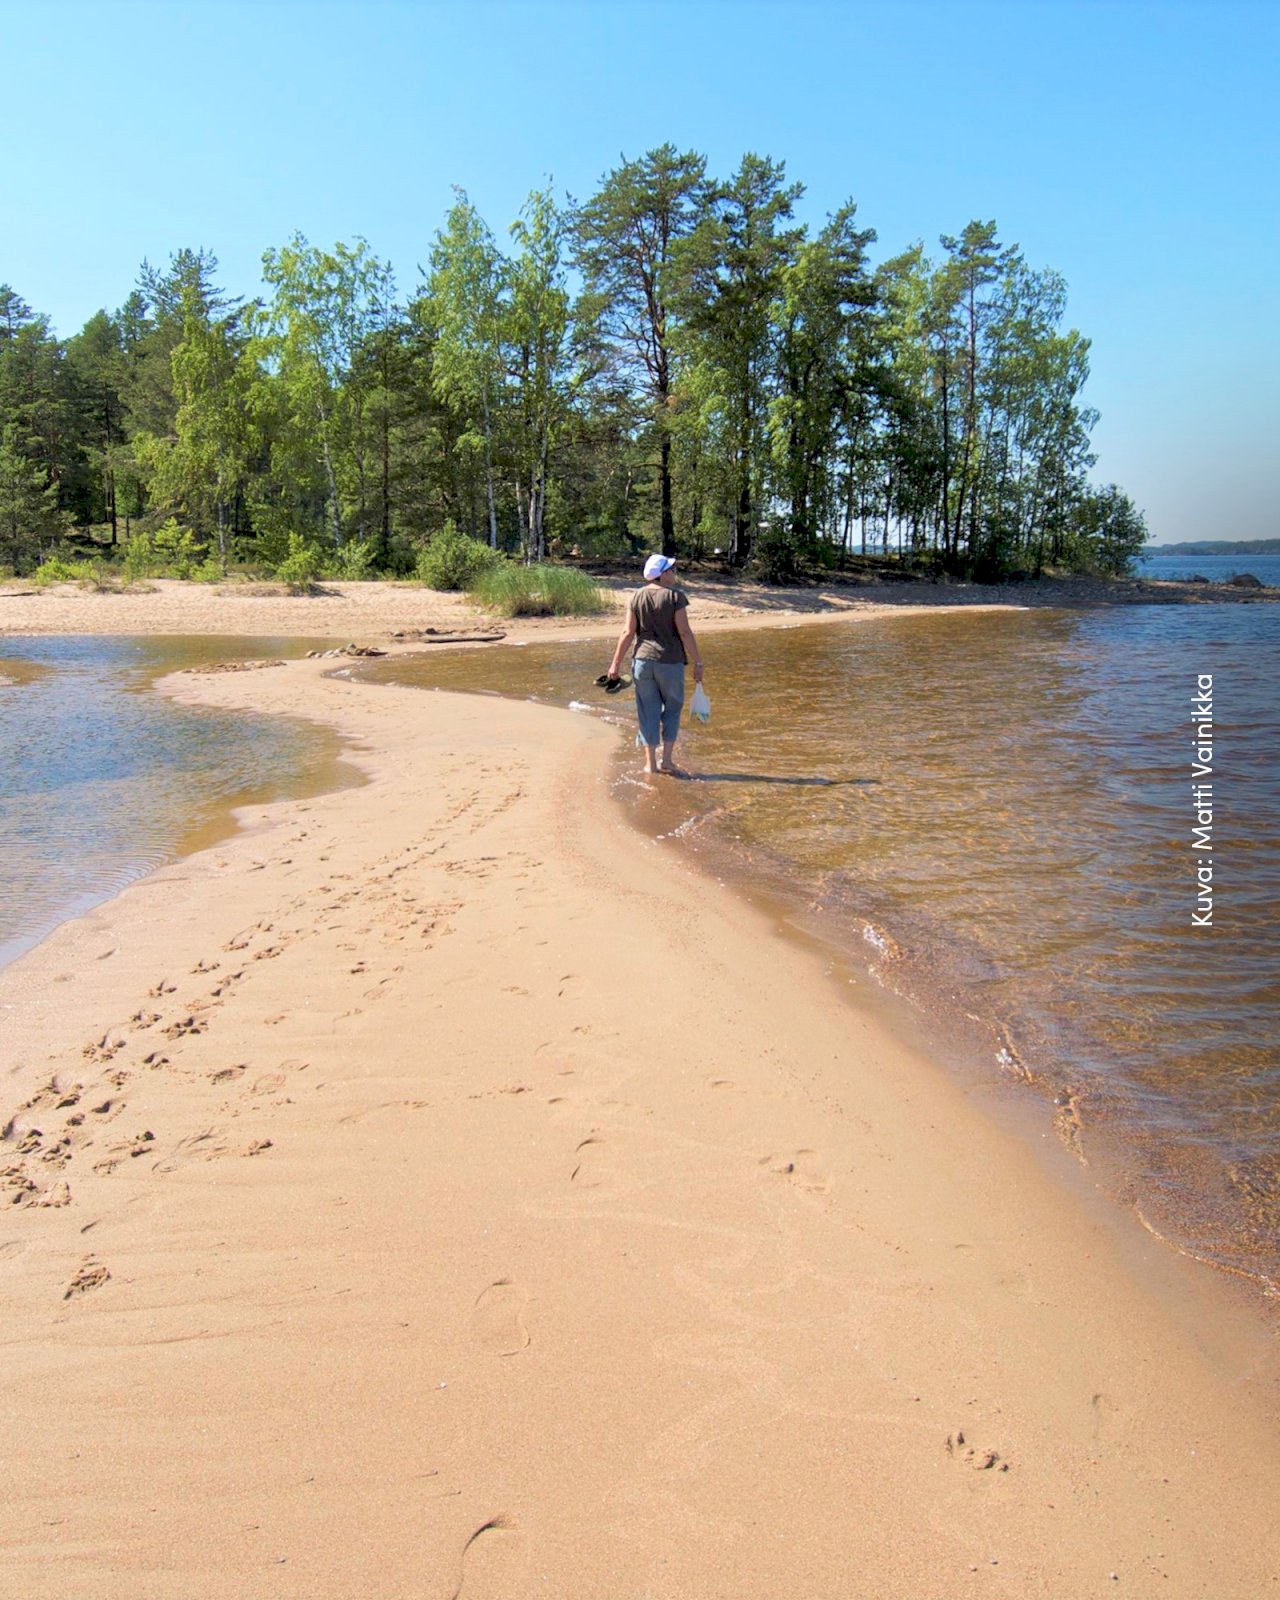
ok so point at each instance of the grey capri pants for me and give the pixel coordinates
(659, 687)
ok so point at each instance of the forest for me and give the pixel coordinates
(673, 364)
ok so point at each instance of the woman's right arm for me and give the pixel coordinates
(624, 639)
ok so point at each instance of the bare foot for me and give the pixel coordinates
(669, 770)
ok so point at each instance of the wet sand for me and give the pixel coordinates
(369, 1230)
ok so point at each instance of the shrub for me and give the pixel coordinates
(453, 561)
(209, 571)
(139, 558)
(301, 567)
(775, 558)
(55, 570)
(538, 591)
(354, 561)
(99, 576)
(175, 549)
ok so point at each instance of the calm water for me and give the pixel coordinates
(995, 811)
(101, 781)
(1221, 568)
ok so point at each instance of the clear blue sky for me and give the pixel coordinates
(1124, 142)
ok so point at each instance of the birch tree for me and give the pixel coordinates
(540, 353)
(465, 295)
(326, 303)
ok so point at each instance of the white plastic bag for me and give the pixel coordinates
(700, 705)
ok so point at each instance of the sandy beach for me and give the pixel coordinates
(372, 611)
(440, 1190)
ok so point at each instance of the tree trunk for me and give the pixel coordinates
(222, 535)
(385, 539)
(948, 546)
(335, 515)
(888, 508)
(668, 515)
(540, 532)
(488, 477)
(110, 474)
(524, 522)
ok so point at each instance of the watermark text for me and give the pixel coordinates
(1202, 799)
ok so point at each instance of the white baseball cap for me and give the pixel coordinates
(655, 566)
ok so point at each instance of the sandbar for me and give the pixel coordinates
(440, 1189)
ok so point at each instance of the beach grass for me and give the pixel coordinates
(538, 591)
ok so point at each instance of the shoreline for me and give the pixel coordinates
(361, 611)
(380, 1192)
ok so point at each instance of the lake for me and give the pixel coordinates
(102, 781)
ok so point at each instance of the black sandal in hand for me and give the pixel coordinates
(609, 683)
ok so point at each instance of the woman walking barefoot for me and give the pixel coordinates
(658, 623)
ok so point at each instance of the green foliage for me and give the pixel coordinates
(175, 549)
(55, 570)
(168, 551)
(327, 310)
(453, 561)
(776, 555)
(538, 591)
(29, 514)
(596, 543)
(354, 562)
(301, 567)
(727, 383)
(1107, 533)
(139, 560)
(208, 571)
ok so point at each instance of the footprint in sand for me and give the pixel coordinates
(206, 1146)
(362, 1115)
(968, 1455)
(91, 1274)
(589, 1172)
(184, 1026)
(1105, 1411)
(802, 1168)
(497, 1319)
(103, 1049)
(493, 1560)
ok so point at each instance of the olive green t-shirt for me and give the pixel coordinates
(654, 609)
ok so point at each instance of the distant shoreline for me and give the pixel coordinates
(368, 612)
(1215, 547)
